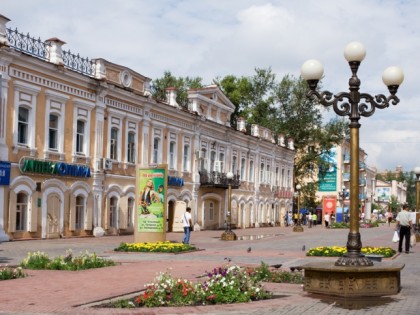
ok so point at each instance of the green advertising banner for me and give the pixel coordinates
(151, 199)
(329, 181)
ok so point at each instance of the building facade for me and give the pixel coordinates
(73, 131)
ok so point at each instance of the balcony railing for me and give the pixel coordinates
(218, 180)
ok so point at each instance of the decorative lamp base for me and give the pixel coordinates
(229, 236)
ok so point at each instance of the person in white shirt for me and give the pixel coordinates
(187, 224)
(405, 224)
(327, 219)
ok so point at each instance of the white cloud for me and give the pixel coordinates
(210, 38)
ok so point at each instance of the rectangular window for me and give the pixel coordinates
(156, 147)
(21, 210)
(53, 132)
(251, 171)
(80, 137)
(211, 211)
(114, 144)
(186, 158)
(262, 173)
(23, 121)
(131, 148)
(113, 212)
(80, 210)
(243, 169)
(172, 155)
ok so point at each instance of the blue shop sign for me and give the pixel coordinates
(5, 173)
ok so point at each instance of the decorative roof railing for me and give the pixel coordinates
(78, 64)
(40, 49)
(27, 44)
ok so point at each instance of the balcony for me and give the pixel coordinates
(218, 180)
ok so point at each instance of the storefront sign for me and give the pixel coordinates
(28, 165)
(5, 173)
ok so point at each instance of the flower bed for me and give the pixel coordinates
(40, 260)
(338, 251)
(8, 273)
(222, 285)
(156, 247)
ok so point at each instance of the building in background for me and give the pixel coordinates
(73, 131)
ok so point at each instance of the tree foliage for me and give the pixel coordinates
(181, 85)
(282, 106)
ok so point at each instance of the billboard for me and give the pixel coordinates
(328, 183)
(151, 196)
(384, 193)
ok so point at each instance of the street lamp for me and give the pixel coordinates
(229, 235)
(298, 227)
(349, 104)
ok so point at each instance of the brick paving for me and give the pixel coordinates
(67, 292)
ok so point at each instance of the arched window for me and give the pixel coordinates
(23, 122)
(131, 147)
(80, 211)
(113, 206)
(21, 211)
(114, 144)
(130, 211)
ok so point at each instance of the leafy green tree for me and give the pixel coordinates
(393, 204)
(181, 85)
(284, 108)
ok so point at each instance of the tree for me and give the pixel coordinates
(181, 85)
(393, 204)
(284, 108)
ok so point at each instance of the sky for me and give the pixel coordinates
(215, 38)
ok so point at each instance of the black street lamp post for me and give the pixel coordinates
(229, 235)
(298, 227)
(354, 105)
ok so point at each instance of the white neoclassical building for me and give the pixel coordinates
(73, 131)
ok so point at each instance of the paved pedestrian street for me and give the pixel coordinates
(70, 292)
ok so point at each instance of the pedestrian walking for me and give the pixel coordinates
(389, 217)
(326, 219)
(314, 219)
(187, 224)
(405, 224)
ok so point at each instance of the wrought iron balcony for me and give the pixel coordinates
(218, 180)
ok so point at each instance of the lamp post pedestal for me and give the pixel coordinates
(228, 236)
(298, 227)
